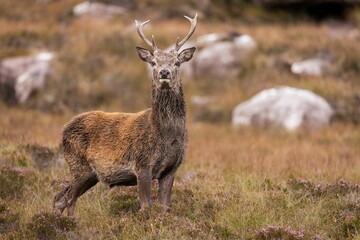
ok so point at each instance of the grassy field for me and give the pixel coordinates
(235, 183)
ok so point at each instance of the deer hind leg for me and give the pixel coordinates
(60, 200)
(83, 179)
(78, 188)
(67, 197)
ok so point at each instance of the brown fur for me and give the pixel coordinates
(130, 149)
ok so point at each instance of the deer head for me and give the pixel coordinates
(165, 65)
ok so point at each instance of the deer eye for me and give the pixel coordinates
(177, 64)
(152, 63)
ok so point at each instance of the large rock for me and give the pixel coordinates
(20, 76)
(311, 67)
(218, 55)
(283, 107)
(98, 10)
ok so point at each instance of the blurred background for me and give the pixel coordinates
(72, 56)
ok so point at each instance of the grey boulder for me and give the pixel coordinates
(20, 76)
(283, 107)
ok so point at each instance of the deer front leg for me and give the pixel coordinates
(144, 188)
(165, 186)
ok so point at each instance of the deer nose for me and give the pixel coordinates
(164, 73)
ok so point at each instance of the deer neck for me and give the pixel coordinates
(168, 108)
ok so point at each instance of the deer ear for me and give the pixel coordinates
(145, 54)
(186, 54)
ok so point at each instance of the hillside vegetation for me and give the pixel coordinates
(235, 183)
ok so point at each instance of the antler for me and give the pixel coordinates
(139, 27)
(192, 29)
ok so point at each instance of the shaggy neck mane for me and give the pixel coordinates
(168, 109)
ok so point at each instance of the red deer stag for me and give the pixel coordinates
(132, 148)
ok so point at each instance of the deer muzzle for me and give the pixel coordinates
(164, 77)
(164, 80)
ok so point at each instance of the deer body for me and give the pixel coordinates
(131, 149)
(117, 144)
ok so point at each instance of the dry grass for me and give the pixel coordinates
(232, 184)
(235, 184)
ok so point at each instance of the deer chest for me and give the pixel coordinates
(170, 156)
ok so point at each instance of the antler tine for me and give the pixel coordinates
(192, 29)
(139, 27)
